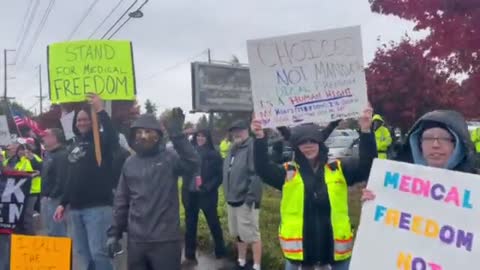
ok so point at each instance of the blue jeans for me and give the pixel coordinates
(58, 229)
(89, 234)
(343, 265)
(4, 252)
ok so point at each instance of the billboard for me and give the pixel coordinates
(221, 87)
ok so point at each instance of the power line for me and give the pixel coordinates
(106, 18)
(178, 64)
(119, 19)
(28, 25)
(128, 19)
(120, 27)
(24, 21)
(39, 29)
(84, 16)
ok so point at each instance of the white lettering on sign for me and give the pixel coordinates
(13, 188)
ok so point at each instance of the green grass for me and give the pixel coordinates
(269, 220)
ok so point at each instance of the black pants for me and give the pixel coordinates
(207, 202)
(154, 255)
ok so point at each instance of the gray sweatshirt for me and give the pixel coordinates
(240, 182)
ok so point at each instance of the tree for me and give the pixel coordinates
(150, 107)
(453, 42)
(403, 84)
(202, 122)
(223, 120)
(188, 125)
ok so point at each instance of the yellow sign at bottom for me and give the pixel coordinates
(40, 253)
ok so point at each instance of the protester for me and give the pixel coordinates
(146, 199)
(27, 161)
(476, 141)
(243, 193)
(88, 190)
(11, 155)
(382, 136)
(438, 139)
(225, 145)
(201, 192)
(315, 229)
(54, 175)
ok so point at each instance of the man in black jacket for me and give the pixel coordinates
(54, 176)
(146, 200)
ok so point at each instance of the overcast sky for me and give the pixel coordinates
(174, 33)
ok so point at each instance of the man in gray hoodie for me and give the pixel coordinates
(243, 193)
(146, 200)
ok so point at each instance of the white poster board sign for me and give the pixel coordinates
(67, 125)
(421, 219)
(5, 137)
(309, 77)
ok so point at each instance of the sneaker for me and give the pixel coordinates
(238, 267)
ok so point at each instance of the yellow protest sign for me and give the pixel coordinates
(40, 253)
(104, 67)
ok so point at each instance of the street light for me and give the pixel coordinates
(134, 14)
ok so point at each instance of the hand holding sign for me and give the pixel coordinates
(97, 106)
(257, 128)
(365, 121)
(95, 101)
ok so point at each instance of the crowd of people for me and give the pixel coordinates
(96, 204)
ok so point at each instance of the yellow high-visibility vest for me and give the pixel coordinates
(476, 139)
(383, 139)
(224, 148)
(25, 165)
(292, 207)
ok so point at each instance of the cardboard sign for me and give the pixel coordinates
(4, 131)
(104, 67)
(39, 253)
(14, 191)
(309, 77)
(423, 218)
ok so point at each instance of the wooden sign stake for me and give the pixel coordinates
(96, 138)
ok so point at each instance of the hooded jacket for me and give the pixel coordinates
(211, 163)
(89, 185)
(146, 200)
(463, 157)
(318, 232)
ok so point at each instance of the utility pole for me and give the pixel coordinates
(210, 114)
(6, 99)
(41, 97)
(5, 74)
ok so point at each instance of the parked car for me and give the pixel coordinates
(342, 146)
